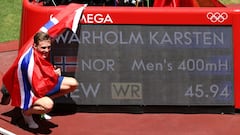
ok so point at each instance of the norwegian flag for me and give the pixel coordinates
(31, 76)
(187, 3)
(68, 64)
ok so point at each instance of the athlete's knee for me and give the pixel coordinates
(69, 84)
(46, 103)
(73, 83)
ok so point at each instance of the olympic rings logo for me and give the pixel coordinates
(217, 17)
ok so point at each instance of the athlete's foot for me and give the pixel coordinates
(29, 120)
(45, 116)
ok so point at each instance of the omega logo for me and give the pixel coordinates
(96, 18)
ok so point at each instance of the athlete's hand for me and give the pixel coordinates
(57, 71)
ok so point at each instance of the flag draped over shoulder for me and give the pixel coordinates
(187, 3)
(31, 76)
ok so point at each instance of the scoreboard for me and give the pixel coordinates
(148, 64)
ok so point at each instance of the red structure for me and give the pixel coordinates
(214, 14)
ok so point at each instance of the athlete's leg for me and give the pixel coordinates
(68, 85)
(45, 104)
(41, 106)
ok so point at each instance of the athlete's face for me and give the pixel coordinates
(44, 48)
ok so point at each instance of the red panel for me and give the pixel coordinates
(236, 48)
(34, 16)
